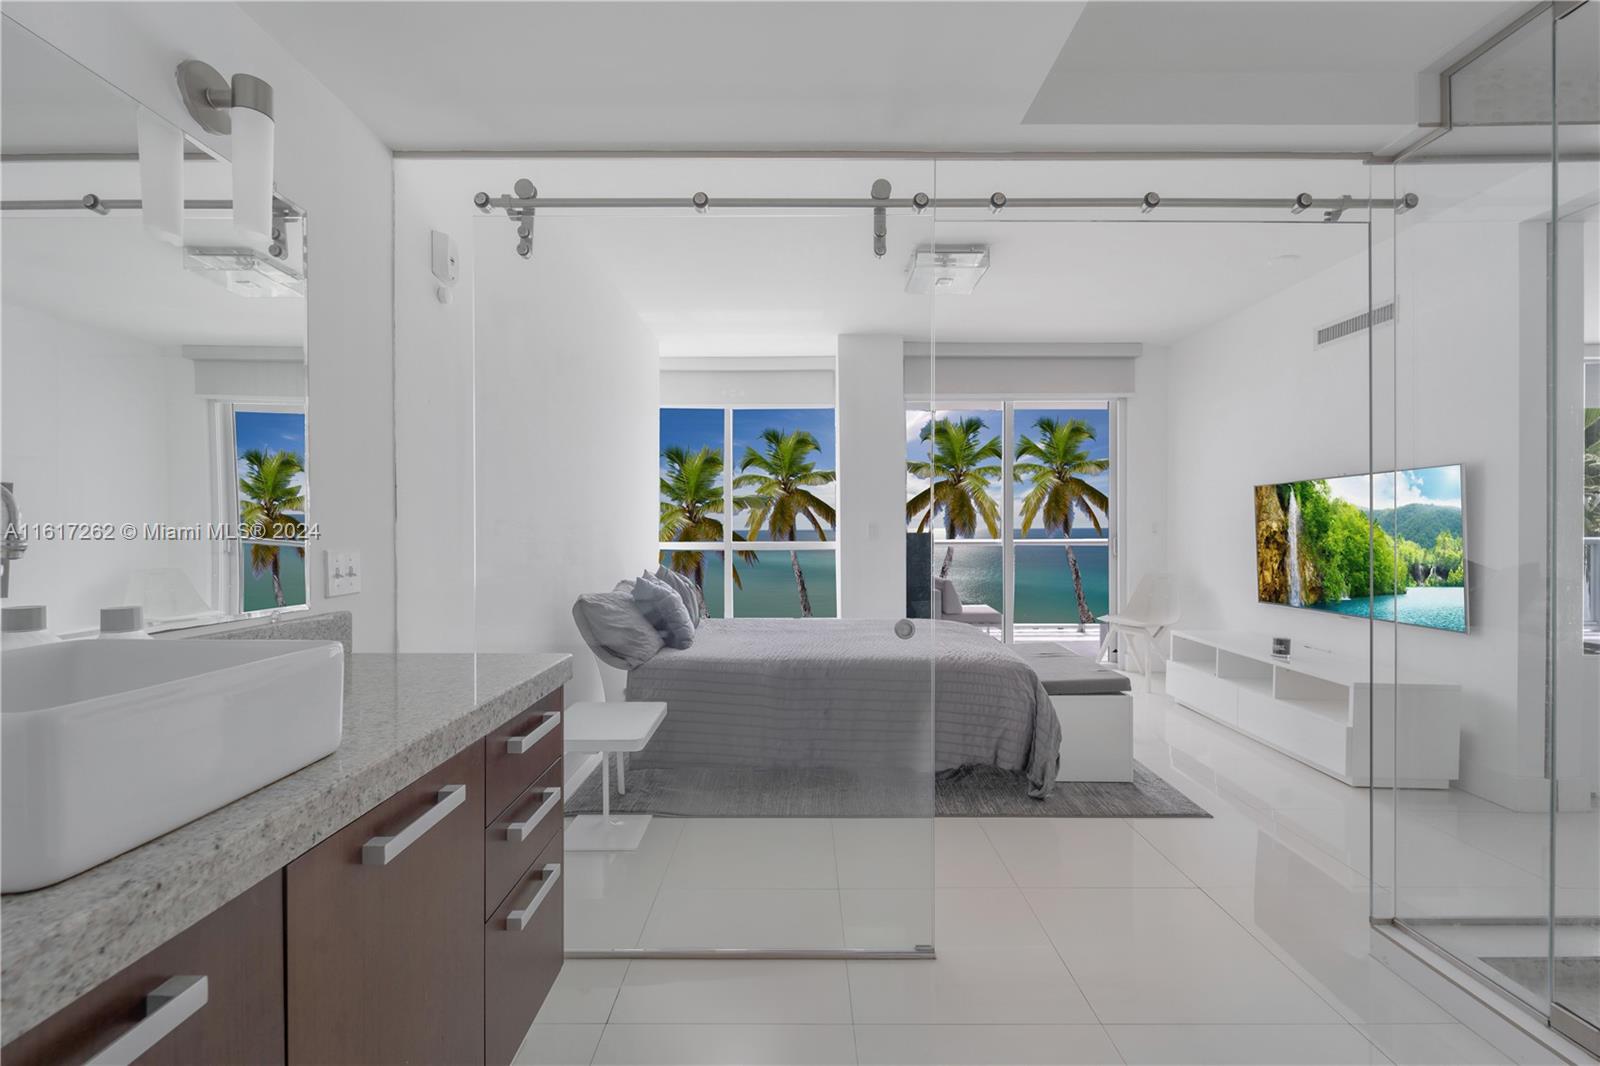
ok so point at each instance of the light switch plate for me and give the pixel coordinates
(343, 571)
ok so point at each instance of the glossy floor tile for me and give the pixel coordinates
(1243, 938)
(1243, 1045)
(1014, 1045)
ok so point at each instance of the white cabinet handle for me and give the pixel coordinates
(518, 919)
(380, 851)
(518, 745)
(519, 831)
(176, 1001)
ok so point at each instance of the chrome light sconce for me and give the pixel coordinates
(242, 110)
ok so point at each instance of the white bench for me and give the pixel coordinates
(1094, 705)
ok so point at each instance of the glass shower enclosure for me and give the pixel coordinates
(1491, 369)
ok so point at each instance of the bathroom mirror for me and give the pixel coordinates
(153, 383)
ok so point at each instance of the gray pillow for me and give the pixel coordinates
(662, 607)
(949, 598)
(614, 628)
(687, 591)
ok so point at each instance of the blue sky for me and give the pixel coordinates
(1099, 420)
(695, 428)
(271, 431)
(1437, 485)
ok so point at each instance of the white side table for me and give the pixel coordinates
(608, 728)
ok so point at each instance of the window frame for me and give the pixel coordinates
(1008, 541)
(727, 545)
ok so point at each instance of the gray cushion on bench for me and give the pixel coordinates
(1066, 673)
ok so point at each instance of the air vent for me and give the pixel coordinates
(1356, 324)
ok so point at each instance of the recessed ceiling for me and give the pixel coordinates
(958, 76)
(724, 286)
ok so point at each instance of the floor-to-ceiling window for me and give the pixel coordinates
(1018, 500)
(774, 469)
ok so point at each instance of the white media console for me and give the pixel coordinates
(1320, 708)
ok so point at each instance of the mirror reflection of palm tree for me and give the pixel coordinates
(778, 494)
(960, 472)
(269, 502)
(691, 508)
(1055, 465)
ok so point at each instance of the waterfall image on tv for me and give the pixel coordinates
(1312, 546)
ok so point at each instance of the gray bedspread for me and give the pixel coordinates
(848, 694)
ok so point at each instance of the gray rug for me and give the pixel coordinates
(976, 792)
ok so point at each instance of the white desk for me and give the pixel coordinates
(606, 728)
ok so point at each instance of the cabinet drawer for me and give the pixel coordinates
(522, 955)
(514, 840)
(519, 752)
(238, 950)
(384, 934)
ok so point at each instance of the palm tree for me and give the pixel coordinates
(1056, 465)
(780, 493)
(270, 500)
(959, 475)
(691, 507)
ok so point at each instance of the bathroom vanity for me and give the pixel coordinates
(397, 901)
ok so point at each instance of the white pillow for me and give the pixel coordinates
(664, 609)
(687, 591)
(614, 628)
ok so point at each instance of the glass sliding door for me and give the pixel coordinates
(715, 400)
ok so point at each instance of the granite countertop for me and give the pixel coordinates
(403, 715)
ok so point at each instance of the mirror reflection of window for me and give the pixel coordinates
(142, 375)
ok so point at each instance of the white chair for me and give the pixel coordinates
(1149, 611)
(614, 726)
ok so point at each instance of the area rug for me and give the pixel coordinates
(977, 792)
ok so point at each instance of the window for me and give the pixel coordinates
(1044, 558)
(782, 492)
(268, 446)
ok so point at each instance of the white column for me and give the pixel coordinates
(870, 401)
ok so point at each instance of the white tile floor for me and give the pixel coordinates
(1238, 939)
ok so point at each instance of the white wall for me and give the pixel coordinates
(566, 474)
(1251, 401)
(871, 408)
(99, 428)
(329, 163)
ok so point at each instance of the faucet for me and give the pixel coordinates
(15, 543)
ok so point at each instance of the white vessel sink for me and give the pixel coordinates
(107, 744)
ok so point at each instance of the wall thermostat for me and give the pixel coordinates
(444, 264)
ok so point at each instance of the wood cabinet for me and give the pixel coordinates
(235, 1017)
(522, 955)
(429, 930)
(385, 950)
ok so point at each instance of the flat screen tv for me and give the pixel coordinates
(1312, 543)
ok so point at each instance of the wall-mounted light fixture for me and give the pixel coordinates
(241, 110)
(161, 177)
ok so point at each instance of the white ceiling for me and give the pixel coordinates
(722, 286)
(965, 75)
(53, 105)
(106, 272)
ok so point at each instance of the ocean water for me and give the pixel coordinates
(1044, 581)
(258, 587)
(1437, 608)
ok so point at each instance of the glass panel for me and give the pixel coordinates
(271, 575)
(977, 572)
(741, 367)
(1063, 471)
(958, 454)
(1062, 589)
(787, 584)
